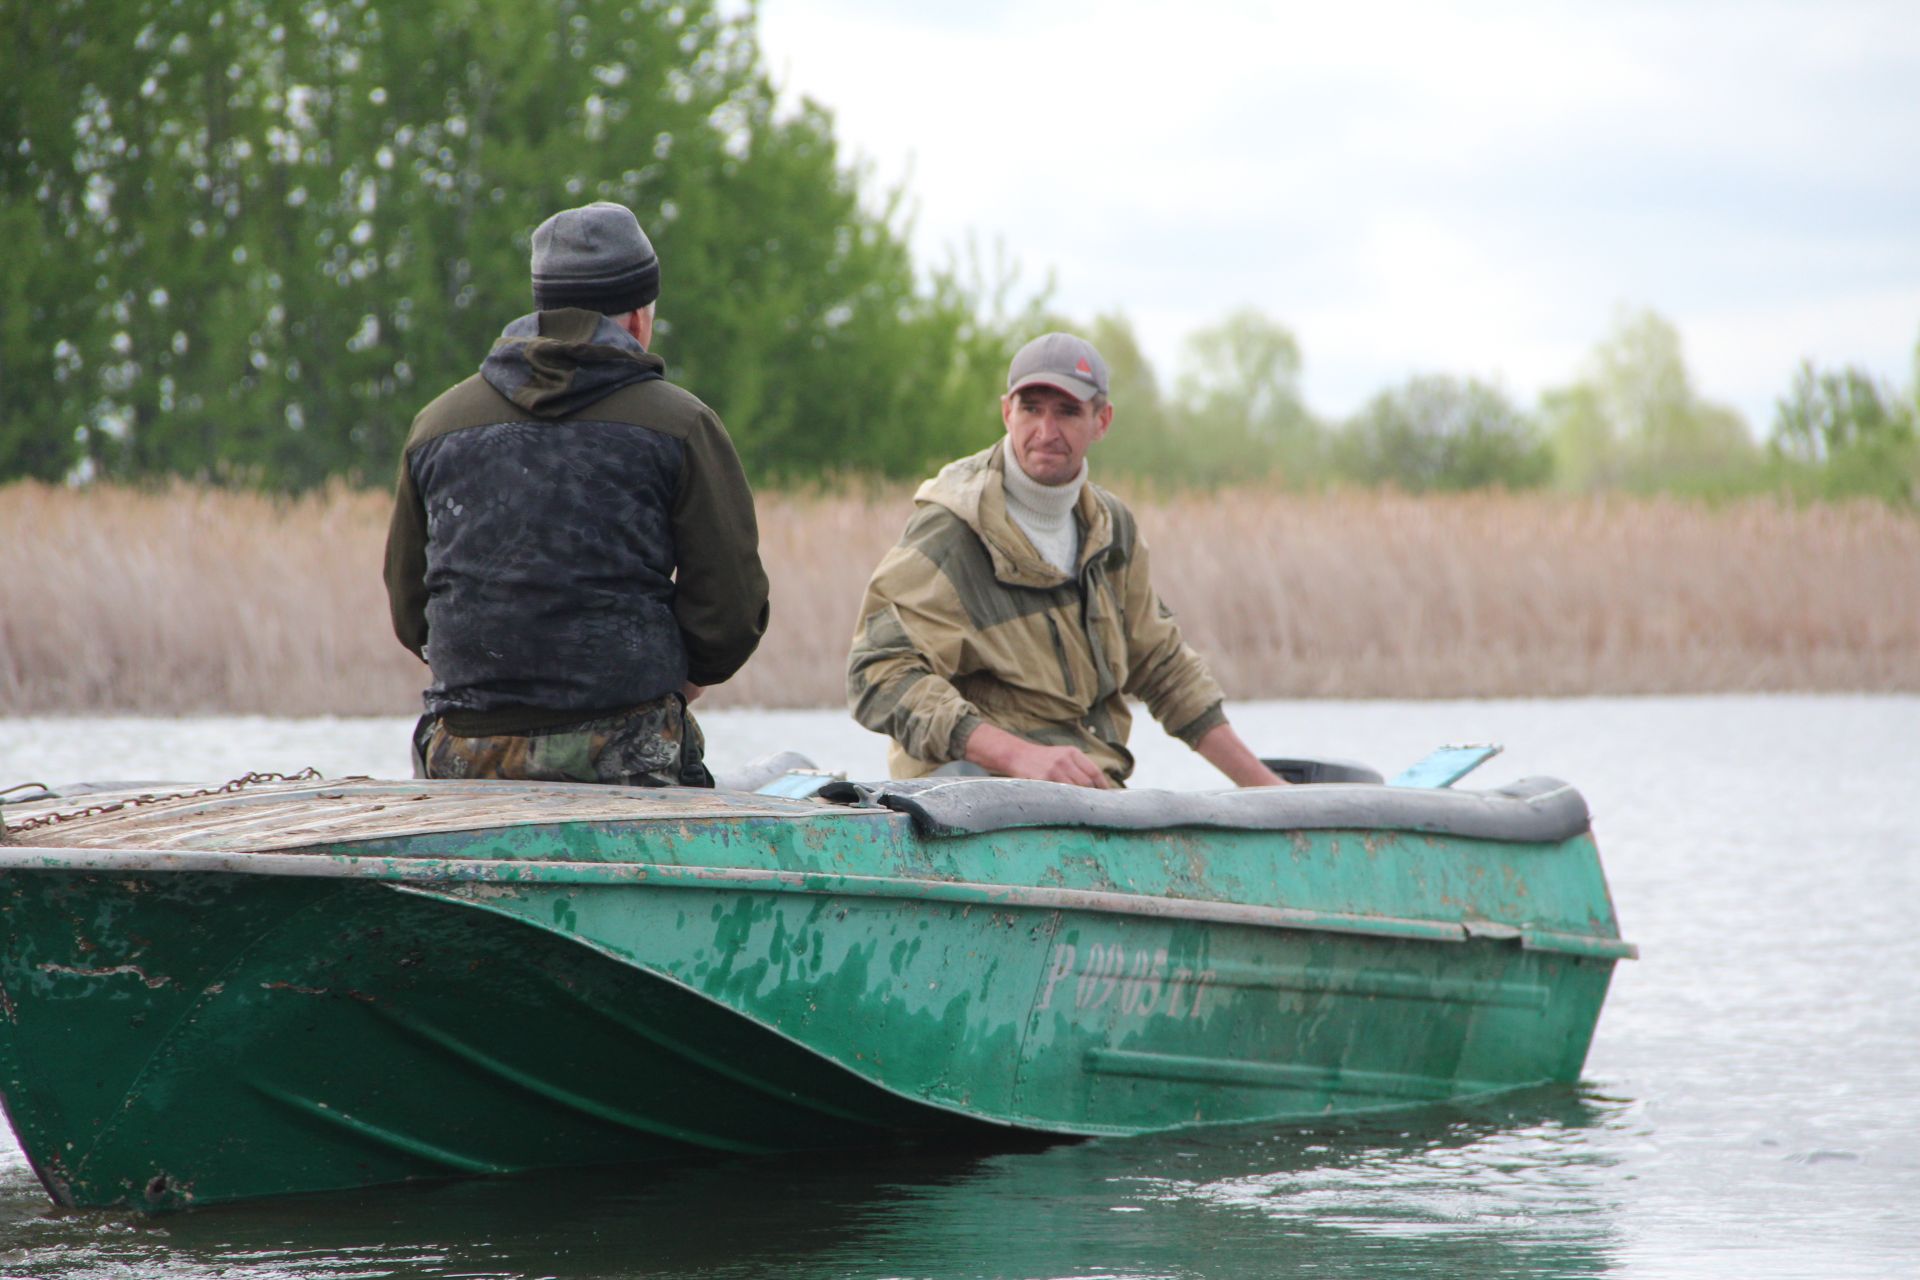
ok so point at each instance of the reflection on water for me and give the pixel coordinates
(1517, 1188)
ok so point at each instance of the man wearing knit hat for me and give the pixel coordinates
(1006, 629)
(573, 548)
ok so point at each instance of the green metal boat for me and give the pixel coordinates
(321, 984)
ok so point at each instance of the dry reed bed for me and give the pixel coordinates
(206, 600)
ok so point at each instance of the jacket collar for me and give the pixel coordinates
(974, 489)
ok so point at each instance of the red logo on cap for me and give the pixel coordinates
(1083, 367)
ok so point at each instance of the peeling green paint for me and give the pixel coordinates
(579, 992)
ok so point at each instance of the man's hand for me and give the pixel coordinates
(1011, 756)
(1057, 764)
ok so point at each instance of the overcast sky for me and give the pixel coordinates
(1409, 187)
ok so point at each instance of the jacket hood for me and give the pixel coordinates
(553, 364)
(974, 489)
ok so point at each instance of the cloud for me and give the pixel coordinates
(1412, 187)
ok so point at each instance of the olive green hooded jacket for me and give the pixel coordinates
(964, 621)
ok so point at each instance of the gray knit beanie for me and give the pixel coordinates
(596, 258)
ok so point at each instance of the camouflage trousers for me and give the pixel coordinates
(656, 744)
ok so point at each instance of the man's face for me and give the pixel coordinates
(1050, 431)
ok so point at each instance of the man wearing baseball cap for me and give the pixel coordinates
(1007, 628)
(573, 548)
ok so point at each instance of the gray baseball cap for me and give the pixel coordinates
(1059, 360)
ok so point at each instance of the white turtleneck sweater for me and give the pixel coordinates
(1045, 513)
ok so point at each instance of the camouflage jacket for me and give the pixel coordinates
(964, 621)
(572, 535)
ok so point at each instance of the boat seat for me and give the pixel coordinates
(1530, 811)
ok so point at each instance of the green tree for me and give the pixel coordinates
(1850, 433)
(1634, 421)
(1236, 413)
(1438, 432)
(274, 227)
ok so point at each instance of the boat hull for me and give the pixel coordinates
(189, 1028)
(299, 1036)
(1092, 1021)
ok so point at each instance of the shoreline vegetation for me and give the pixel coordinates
(203, 600)
(276, 246)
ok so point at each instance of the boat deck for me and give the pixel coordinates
(332, 811)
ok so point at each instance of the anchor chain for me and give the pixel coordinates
(245, 780)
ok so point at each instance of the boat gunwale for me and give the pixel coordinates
(1534, 810)
(453, 873)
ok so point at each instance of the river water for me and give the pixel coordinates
(1751, 1106)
